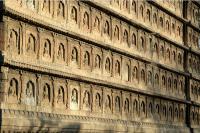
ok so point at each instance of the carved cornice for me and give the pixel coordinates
(9, 113)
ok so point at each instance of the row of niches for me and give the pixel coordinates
(84, 19)
(148, 15)
(193, 38)
(176, 6)
(195, 90)
(193, 64)
(44, 91)
(195, 116)
(193, 13)
(139, 43)
(56, 50)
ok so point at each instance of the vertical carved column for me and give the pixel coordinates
(3, 83)
(38, 86)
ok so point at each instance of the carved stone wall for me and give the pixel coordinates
(99, 66)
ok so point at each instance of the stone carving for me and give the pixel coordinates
(46, 6)
(30, 4)
(107, 65)
(106, 30)
(13, 90)
(14, 41)
(143, 75)
(86, 60)
(60, 96)
(74, 55)
(135, 107)
(126, 106)
(125, 4)
(142, 43)
(149, 77)
(133, 6)
(97, 24)
(117, 68)
(125, 37)
(156, 79)
(61, 9)
(74, 99)
(162, 51)
(74, 14)
(61, 52)
(117, 104)
(135, 73)
(133, 39)
(127, 72)
(30, 94)
(46, 94)
(98, 62)
(47, 49)
(148, 15)
(31, 44)
(143, 108)
(108, 103)
(98, 101)
(116, 2)
(86, 20)
(86, 100)
(116, 33)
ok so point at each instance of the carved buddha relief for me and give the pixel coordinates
(135, 73)
(86, 59)
(13, 90)
(73, 15)
(31, 4)
(116, 33)
(127, 72)
(74, 56)
(13, 41)
(86, 20)
(149, 77)
(74, 99)
(156, 79)
(108, 103)
(143, 75)
(86, 100)
(60, 95)
(116, 2)
(31, 44)
(117, 68)
(47, 49)
(125, 4)
(61, 52)
(117, 104)
(46, 94)
(126, 106)
(46, 6)
(125, 37)
(106, 29)
(30, 94)
(135, 107)
(97, 24)
(97, 62)
(133, 41)
(97, 101)
(107, 65)
(61, 10)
